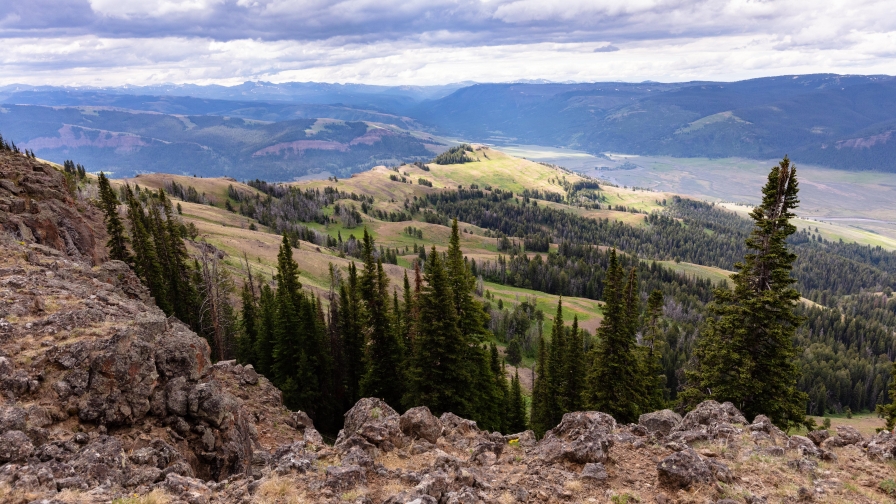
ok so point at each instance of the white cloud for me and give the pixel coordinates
(438, 41)
(150, 8)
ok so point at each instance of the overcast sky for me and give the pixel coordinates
(117, 42)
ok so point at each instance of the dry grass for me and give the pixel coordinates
(155, 497)
(9, 495)
(279, 490)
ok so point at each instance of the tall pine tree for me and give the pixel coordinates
(384, 377)
(745, 353)
(118, 240)
(613, 382)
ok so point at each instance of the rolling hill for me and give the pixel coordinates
(125, 141)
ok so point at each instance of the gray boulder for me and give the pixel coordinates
(370, 421)
(581, 437)
(594, 472)
(818, 436)
(345, 477)
(660, 422)
(420, 423)
(846, 435)
(709, 413)
(882, 447)
(803, 445)
(683, 469)
(15, 446)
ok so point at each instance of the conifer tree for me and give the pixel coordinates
(266, 338)
(182, 291)
(118, 241)
(888, 411)
(745, 353)
(470, 314)
(556, 377)
(613, 381)
(246, 344)
(652, 351)
(540, 419)
(574, 368)
(383, 362)
(438, 376)
(352, 336)
(146, 262)
(516, 419)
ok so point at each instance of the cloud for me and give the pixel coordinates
(110, 42)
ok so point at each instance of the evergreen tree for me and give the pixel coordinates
(383, 376)
(246, 345)
(352, 336)
(888, 411)
(516, 418)
(118, 241)
(651, 352)
(574, 368)
(540, 419)
(556, 377)
(146, 262)
(438, 376)
(745, 353)
(470, 314)
(181, 290)
(613, 381)
(266, 340)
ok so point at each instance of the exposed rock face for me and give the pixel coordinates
(36, 207)
(82, 347)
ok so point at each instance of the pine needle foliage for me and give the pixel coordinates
(745, 353)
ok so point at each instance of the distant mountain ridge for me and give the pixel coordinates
(839, 121)
(128, 142)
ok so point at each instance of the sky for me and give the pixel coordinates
(414, 42)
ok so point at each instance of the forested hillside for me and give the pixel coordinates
(380, 249)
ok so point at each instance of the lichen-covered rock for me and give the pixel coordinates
(343, 478)
(709, 413)
(882, 447)
(420, 423)
(683, 469)
(818, 436)
(803, 445)
(594, 472)
(191, 490)
(373, 421)
(846, 435)
(15, 446)
(12, 418)
(660, 422)
(581, 437)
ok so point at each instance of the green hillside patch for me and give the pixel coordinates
(710, 119)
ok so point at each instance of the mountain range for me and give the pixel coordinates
(844, 122)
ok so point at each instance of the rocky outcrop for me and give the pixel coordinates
(36, 207)
(98, 389)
